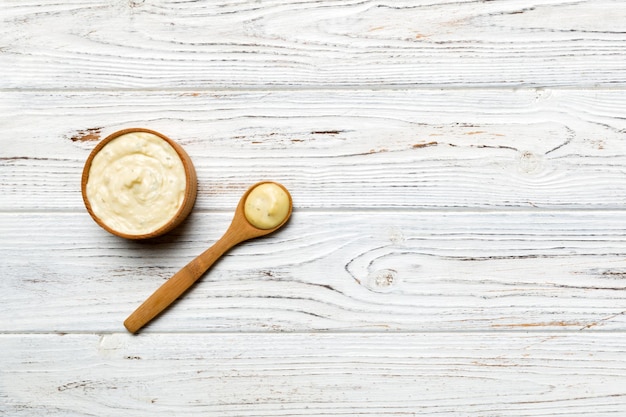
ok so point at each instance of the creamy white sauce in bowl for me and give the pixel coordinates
(138, 184)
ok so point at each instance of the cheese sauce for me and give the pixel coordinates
(266, 206)
(136, 183)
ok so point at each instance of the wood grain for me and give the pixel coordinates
(135, 44)
(458, 244)
(508, 374)
(400, 149)
(340, 271)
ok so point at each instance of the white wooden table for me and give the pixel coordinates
(458, 245)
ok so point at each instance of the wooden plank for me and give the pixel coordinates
(114, 44)
(337, 149)
(351, 271)
(478, 374)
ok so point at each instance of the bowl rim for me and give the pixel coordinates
(191, 185)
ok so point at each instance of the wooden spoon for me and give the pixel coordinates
(239, 230)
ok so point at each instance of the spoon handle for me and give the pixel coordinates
(174, 287)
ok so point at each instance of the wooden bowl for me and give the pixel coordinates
(188, 198)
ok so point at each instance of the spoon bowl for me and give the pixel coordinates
(240, 230)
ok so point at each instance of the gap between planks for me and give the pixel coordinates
(514, 332)
(364, 210)
(311, 88)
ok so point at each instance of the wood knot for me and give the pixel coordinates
(382, 280)
(530, 163)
